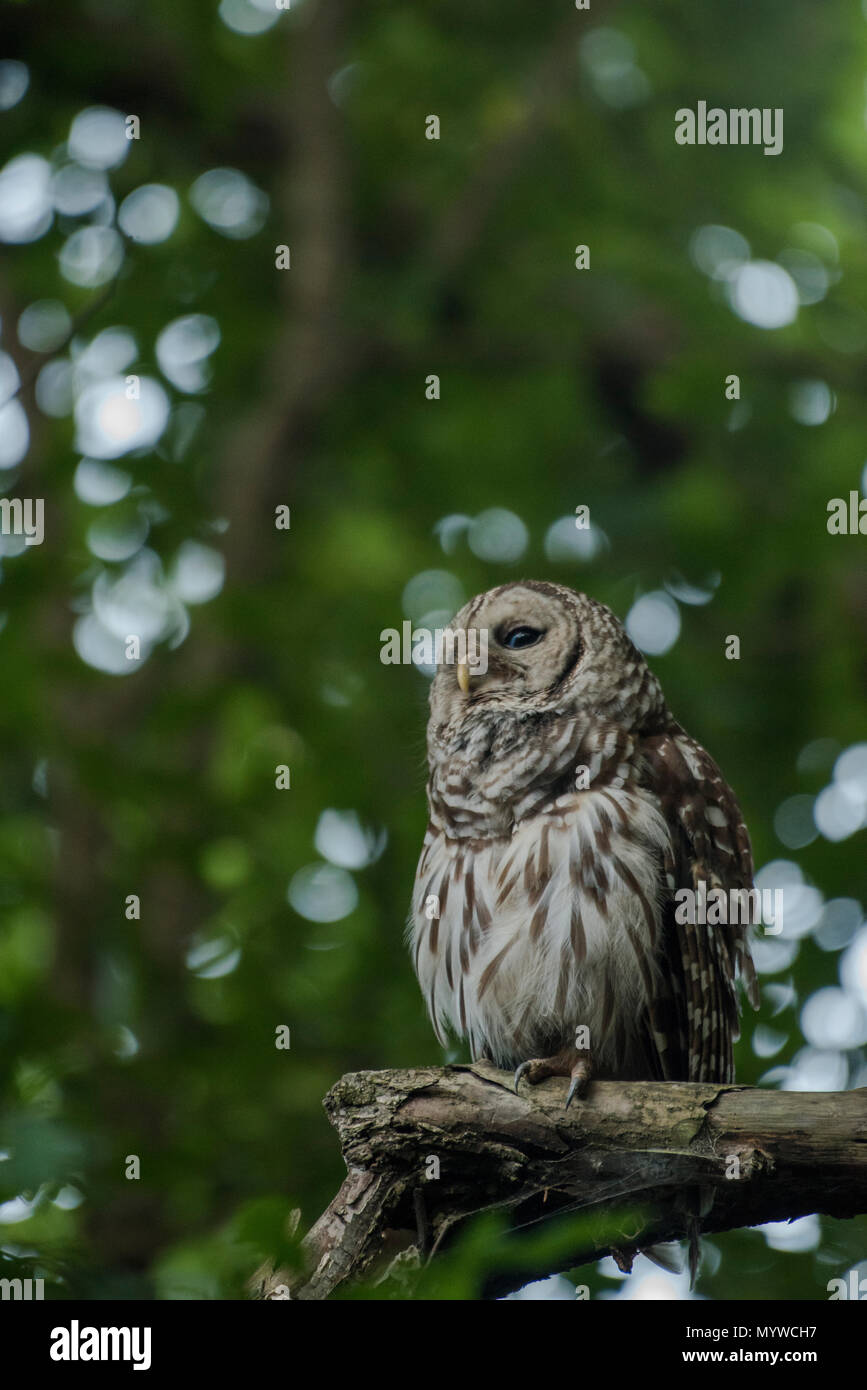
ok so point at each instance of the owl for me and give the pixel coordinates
(567, 809)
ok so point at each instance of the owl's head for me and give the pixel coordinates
(547, 648)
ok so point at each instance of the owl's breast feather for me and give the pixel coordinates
(521, 937)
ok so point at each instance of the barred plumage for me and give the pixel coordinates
(567, 807)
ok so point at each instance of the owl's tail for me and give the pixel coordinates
(669, 1256)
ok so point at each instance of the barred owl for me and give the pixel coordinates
(567, 808)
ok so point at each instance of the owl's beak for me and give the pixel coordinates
(463, 677)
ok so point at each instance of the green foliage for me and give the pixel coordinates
(155, 1036)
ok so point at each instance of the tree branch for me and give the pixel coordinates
(736, 1156)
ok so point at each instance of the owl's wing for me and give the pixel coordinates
(696, 1009)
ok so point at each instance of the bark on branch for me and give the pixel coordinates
(671, 1153)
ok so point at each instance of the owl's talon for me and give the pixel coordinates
(576, 1065)
(581, 1074)
(519, 1072)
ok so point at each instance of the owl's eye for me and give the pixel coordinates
(518, 637)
